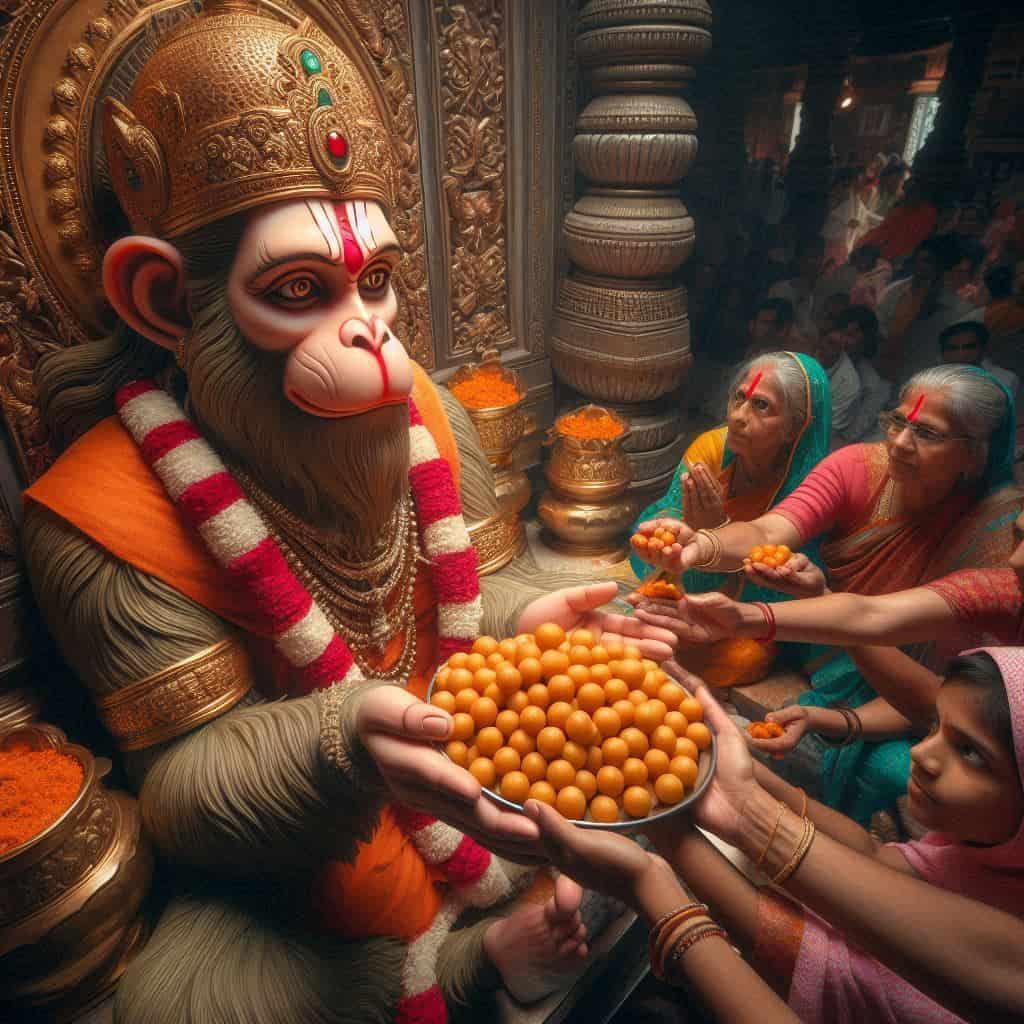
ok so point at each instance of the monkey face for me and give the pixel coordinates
(312, 278)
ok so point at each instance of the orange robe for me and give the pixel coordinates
(103, 487)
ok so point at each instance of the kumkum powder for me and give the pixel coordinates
(487, 388)
(36, 788)
(589, 427)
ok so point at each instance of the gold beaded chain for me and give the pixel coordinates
(359, 611)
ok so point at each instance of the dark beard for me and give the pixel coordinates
(343, 475)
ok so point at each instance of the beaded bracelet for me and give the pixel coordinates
(657, 940)
(690, 939)
(798, 854)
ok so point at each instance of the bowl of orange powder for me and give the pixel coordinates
(74, 870)
(598, 732)
(492, 395)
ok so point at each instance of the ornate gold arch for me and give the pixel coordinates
(58, 58)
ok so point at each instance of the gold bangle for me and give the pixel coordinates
(798, 854)
(771, 838)
(803, 809)
(695, 935)
(179, 698)
(663, 928)
(716, 550)
(668, 938)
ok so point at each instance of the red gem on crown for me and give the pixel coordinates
(337, 145)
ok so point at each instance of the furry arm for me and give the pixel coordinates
(261, 787)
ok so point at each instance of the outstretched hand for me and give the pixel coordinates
(721, 809)
(799, 577)
(399, 732)
(604, 861)
(691, 548)
(694, 618)
(795, 721)
(579, 608)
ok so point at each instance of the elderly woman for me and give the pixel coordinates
(778, 424)
(933, 498)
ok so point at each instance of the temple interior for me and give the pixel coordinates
(708, 314)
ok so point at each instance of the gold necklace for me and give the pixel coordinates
(366, 615)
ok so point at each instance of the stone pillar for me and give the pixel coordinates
(942, 165)
(812, 162)
(620, 333)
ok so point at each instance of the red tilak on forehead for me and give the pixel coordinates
(753, 384)
(917, 408)
(353, 254)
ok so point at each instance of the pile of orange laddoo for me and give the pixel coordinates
(662, 537)
(765, 730)
(595, 730)
(771, 555)
(661, 585)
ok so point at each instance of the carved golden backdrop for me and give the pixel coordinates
(58, 59)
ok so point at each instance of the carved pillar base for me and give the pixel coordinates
(620, 333)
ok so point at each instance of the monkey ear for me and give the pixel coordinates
(144, 279)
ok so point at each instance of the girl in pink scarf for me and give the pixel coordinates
(943, 942)
(967, 785)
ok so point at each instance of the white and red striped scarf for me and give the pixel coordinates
(211, 502)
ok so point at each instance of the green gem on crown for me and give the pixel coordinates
(323, 99)
(310, 62)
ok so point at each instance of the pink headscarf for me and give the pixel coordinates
(991, 874)
(837, 983)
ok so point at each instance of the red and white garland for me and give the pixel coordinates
(211, 501)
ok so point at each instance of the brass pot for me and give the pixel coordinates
(512, 489)
(578, 528)
(588, 469)
(501, 427)
(71, 896)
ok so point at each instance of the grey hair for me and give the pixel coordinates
(975, 401)
(791, 379)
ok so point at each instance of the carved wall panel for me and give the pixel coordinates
(472, 53)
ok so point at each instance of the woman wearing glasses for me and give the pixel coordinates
(933, 498)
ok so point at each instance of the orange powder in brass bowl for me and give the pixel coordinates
(36, 787)
(487, 388)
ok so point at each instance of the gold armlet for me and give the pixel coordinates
(179, 698)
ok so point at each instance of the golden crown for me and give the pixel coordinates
(236, 109)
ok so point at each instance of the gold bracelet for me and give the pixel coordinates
(691, 939)
(771, 838)
(798, 854)
(179, 698)
(656, 939)
(671, 936)
(803, 809)
(716, 550)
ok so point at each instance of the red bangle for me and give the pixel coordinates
(769, 621)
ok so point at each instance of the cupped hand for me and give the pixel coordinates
(799, 577)
(691, 548)
(400, 732)
(694, 618)
(580, 608)
(604, 861)
(795, 720)
(703, 498)
(721, 809)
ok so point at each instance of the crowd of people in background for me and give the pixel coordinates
(896, 282)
